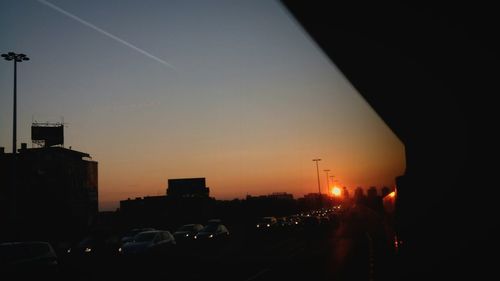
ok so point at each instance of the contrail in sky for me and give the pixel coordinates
(104, 32)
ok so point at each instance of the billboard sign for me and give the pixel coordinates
(50, 135)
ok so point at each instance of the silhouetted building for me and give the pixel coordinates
(186, 188)
(186, 200)
(359, 195)
(275, 204)
(372, 192)
(312, 196)
(373, 200)
(281, 196)
(148, 202)
(345, 193)
(54, 188)
(165, 211)
(315, 201)
(272, 196)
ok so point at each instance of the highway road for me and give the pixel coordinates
(354, 248)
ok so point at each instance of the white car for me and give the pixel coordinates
(149, 242)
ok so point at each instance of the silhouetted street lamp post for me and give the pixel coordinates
(332, 178)
(317, 171)
(11, 56)
(327, 181)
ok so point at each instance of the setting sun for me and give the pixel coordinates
(336, 191)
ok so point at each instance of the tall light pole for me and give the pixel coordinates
(11, 56)
(333, 181)
(317, 171)
(327, 181)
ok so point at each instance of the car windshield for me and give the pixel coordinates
(144, 237)
(188, 227)
(136, 231)
(210, 228)
(86, 241)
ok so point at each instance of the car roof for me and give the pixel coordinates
(16, 243)
(142, 228)
(150, 231)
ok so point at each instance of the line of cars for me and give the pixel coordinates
(160, 241)
(273, 222)
(323, 217)
(213, 230)
(40, 256)
(139, 241)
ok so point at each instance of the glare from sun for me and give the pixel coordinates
(336, 191)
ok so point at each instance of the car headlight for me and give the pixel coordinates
(120, 250)
(68, 251)
(211, 236)
(258, 225)
(195, 237)
(88, 250)
(187, 235)
(268, 225)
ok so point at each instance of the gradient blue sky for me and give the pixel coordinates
(247, 99)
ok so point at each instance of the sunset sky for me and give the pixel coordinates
(233, 91)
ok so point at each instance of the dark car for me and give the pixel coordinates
(187, 232)
(284, 222)
(129, 236)
(311, 221)
(325, 220)
(213, 231)
(149, 242)
(295, 220)
(95, 244)
(28, 258)
(267, 222)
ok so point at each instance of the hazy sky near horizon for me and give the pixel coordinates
(234, 91)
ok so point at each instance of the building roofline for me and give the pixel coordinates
(54, 149)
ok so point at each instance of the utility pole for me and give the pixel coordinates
(327, 181)
(317, 171)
